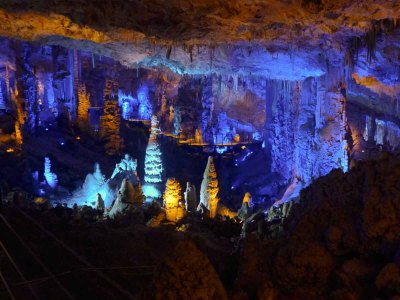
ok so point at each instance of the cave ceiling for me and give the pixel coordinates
(278, 39)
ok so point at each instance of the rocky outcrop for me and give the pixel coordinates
(341, 239)
(129, 197)
(187, 274)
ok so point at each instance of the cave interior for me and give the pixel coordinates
(199, 149)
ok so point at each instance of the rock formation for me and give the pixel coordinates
(345, 227)
(95, 183)
(129, 197)
(209, 189)
(153, 168)
(187, 274)
(173, 202)
(244, 211)
(51, 178)
(190, 197)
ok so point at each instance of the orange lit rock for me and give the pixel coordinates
(83, 107)
(188, 274)
(173, 202)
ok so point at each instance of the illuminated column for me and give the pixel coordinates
(209, 188)
(110, 126)
(173, 202)
(83, 107)
(153, 167)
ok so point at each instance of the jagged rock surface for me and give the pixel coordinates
(345, 227)
(188, 274)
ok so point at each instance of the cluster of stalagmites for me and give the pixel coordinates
(129, 199)
(175, 207)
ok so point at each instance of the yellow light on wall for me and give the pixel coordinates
(9, 150)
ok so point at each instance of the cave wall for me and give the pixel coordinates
(305, 131)
(308, 126)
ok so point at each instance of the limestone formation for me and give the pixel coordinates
(128, 198)
(188, 274)
(173, 202)
(244, 211)
(190, 197)
(209, 189)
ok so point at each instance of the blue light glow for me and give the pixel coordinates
(51, 178)
(151, 191)
(127, 102)
(221, 149)
(145, 108)
(94, 183)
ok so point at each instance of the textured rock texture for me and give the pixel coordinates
(187, 274)
(340, 240)
(202, 36)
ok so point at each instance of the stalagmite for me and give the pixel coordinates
(127, 165)
(190, 197)
(153, 167)
(128, 198)
(209, 189)
(100, 202)
(173, 202)
(95, 183)
(244, 211)
(51, 178)
(198, 139)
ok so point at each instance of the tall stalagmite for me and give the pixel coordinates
(153, 167)
(173, 202)
(209, 188)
